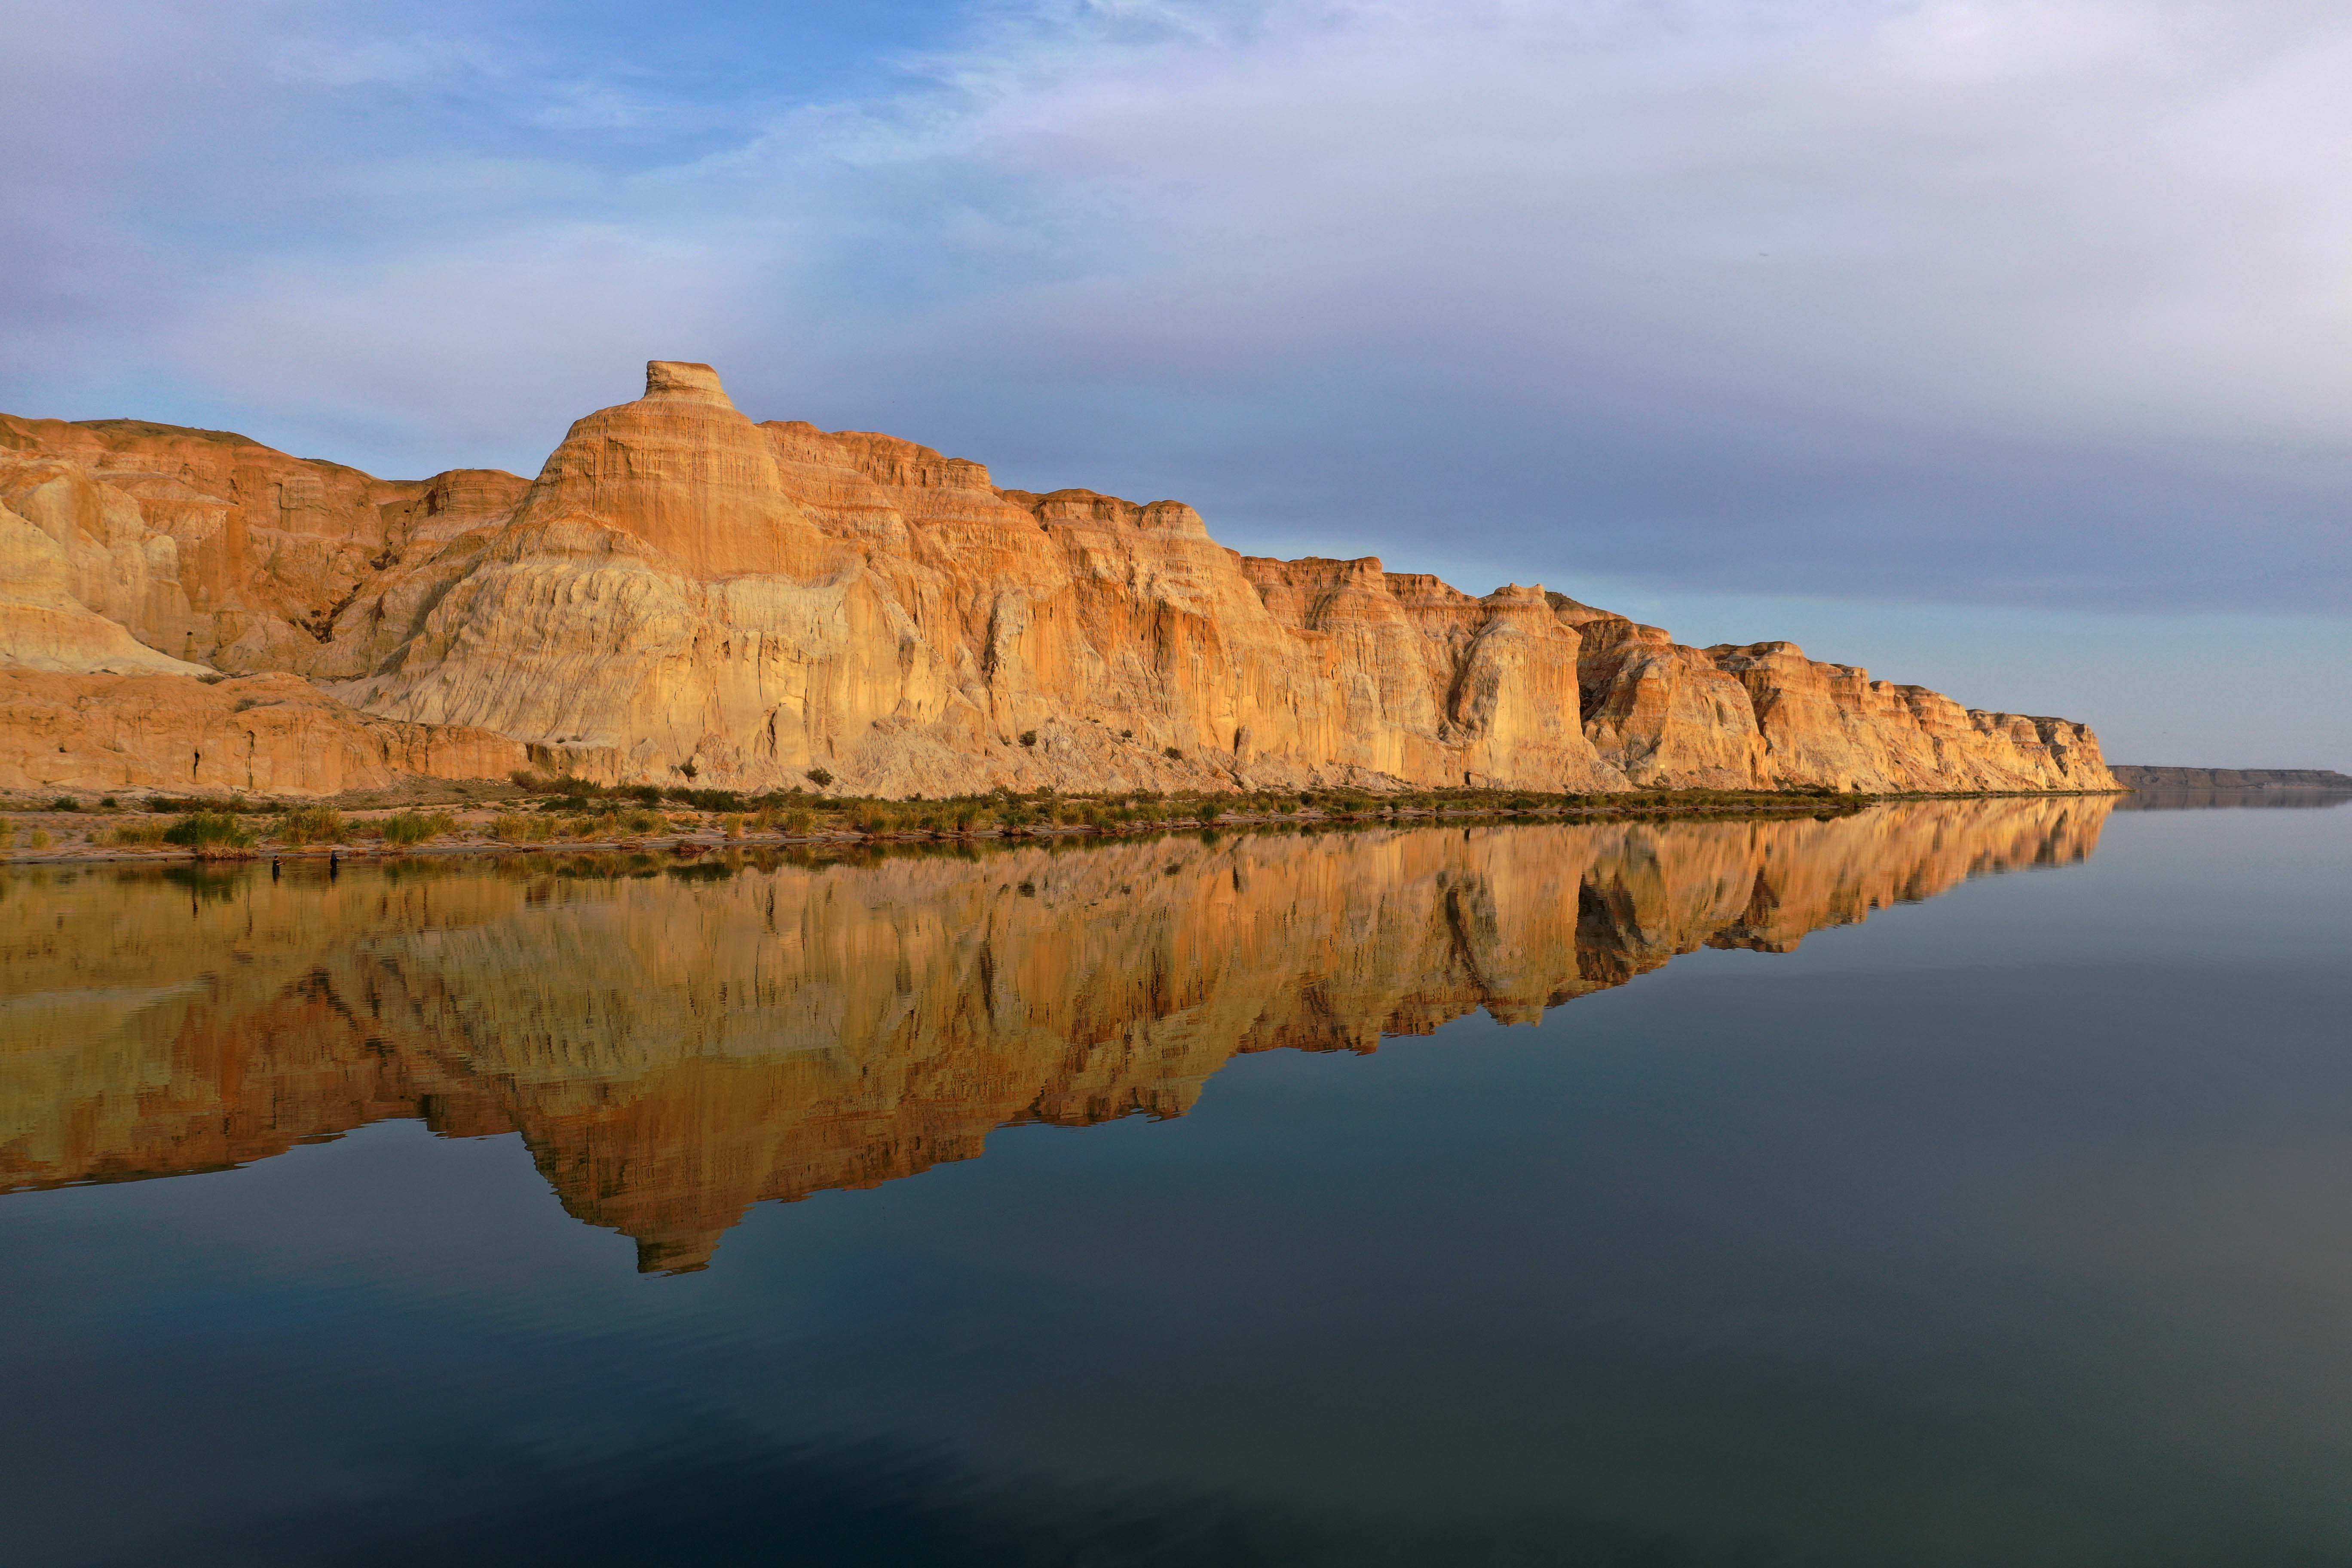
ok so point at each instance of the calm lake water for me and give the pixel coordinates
(1958, 1184)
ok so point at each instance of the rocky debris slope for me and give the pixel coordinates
(674, 1048)
(683, 594)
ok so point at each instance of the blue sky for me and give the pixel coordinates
(2001, 346)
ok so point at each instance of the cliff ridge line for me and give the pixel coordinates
(684, 593)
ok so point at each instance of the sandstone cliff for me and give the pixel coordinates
(675, 1048)
(258, 734)
(685, 593)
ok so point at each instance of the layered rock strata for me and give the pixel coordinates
(685, 593)
(256, 734)
(674, 1047)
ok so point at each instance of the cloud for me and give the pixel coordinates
(1987, 301)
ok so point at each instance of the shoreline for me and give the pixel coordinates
(701, 840)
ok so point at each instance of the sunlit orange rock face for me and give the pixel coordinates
(256, 734)
(684, 592)
(677, 1042)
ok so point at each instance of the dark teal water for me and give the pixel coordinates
(2011, 1227)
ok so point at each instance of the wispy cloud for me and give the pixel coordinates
(1971, 298)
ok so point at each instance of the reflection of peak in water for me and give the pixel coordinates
(675, 1045)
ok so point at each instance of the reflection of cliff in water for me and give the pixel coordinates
(2173, 799)
(678, 1044)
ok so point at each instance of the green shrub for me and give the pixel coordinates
(516, 827)
(1171, 753)
(417, 827)
(1028, 737)
(706, 799)
(638, 823)
(209, 831)
(39, 840)
(568, 785)
(64, 802)
(313, 824)
(133, 832)
(819, 778)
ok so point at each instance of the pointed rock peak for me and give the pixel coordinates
(683, 1252)
(681, 381)
(1517, 604)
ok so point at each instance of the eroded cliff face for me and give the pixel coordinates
(678, 1044)
(256, 734)
(685, 593)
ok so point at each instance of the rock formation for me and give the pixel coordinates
(256, 734)
(675, 1046)
(685, 593)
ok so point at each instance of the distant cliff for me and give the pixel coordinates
(2133, 775)
(683, 594)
